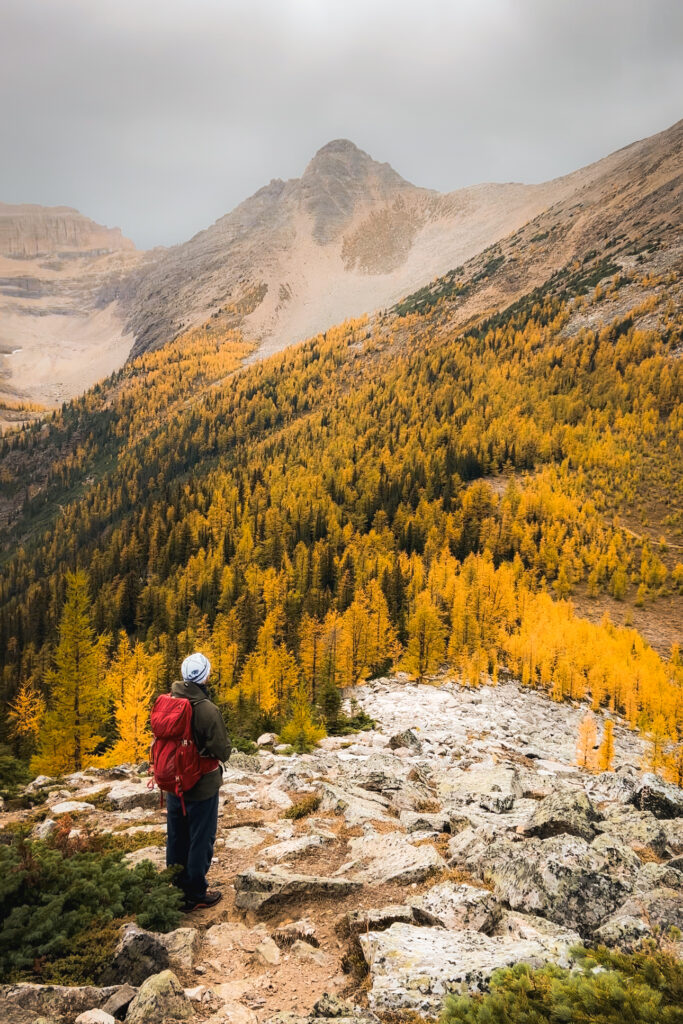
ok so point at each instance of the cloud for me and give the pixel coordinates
(161, 116)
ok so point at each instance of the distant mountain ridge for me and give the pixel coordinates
(349, 236)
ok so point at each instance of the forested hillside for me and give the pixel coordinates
(395, 492)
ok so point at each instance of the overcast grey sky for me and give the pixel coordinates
(161, 115)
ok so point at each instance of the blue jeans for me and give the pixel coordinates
(189, 842)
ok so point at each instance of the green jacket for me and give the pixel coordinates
(210, 735)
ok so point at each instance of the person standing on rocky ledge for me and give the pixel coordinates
(190, 742)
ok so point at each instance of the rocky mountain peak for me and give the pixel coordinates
(340, 177)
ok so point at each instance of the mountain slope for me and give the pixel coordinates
(59, 327)
(351, 236)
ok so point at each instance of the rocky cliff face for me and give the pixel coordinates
(445, 843)
(60, 275)
(28, 230)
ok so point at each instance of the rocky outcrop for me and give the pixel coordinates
(415, 968)
(541, 857)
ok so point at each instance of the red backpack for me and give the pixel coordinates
(174, 759)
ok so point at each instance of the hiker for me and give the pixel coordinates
(190, 741)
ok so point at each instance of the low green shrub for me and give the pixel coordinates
(307, 805)
(53, 904)
(609, 987)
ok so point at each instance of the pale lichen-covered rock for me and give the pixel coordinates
(641, 915)
(563, 814)
(160, 1000)
(72, 807)
(618, 855)
(182, 946)
(268, 952)
(57, 1002)
(562, 879)
(267, 739)
(556, 940)
(10, 1013)
(355, 804)
(457, 906)
(638, 829)
(138, 955)
(390, 857)
(292, 847)
(408, 739)
(156, 855)
(662, 798)
(415, 968)
(422, 821)
(125, 795)
(95, 1017)
(256, 889)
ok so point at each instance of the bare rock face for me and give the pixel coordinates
(28, 230)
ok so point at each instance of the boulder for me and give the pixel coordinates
(258, 889)
(138, 955)
(673, 830)
(267, 739)
(562, 879)
(420, 821)
(72, 807)
(638, 829)
(125, 795)
(118, 1003)
(390, 857)
(44, 829)
(95, 1017)
(618, 855)
(286, 934)
(249, 763)
(181, 945)
(643, 915)
(458, 906)
(355, 804)
(160, 1000)
(57, 1001)
(663, 799)
(331, 1006)
(268, 952)
(292, 847)
(311, 954)
(654, 876)
(408, 739)
(415, 968)
(556, 940)
(562, 813)
(156, 855)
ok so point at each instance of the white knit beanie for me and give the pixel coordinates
(196, 668)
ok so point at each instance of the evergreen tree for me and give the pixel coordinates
(72, 728)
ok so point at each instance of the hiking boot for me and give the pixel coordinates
(209, 899)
